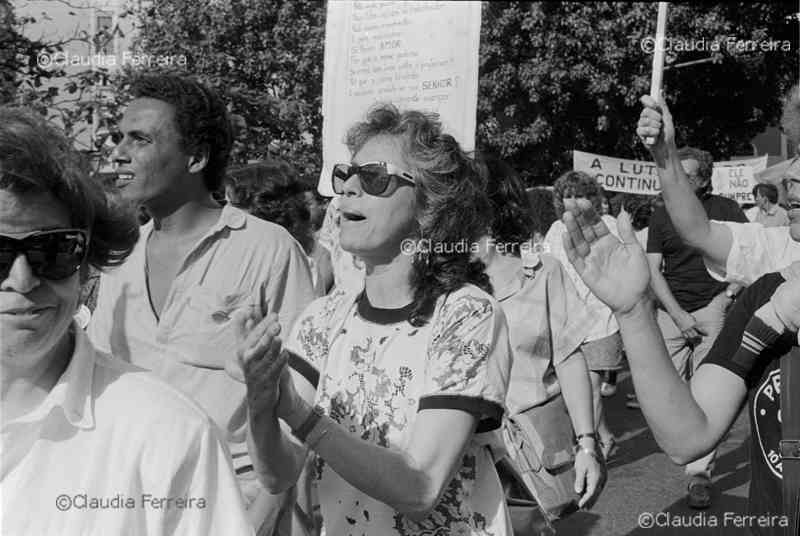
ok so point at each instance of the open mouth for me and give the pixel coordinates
(353, 216)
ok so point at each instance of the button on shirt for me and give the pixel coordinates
(113, 450)
(242, 262)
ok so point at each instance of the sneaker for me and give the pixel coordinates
(699, 496)
(608, 389)
(632, 403)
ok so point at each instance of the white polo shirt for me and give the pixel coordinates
(113, 450)
(242, 262)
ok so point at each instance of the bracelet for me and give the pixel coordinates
(311, 421)
(315, 438)
(592, 435)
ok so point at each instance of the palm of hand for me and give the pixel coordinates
(617, 273)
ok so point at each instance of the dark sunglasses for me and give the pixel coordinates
(375, 177)
(53, 255)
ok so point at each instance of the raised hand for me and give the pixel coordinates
(655, 124)
(259, 360)
(615, 271)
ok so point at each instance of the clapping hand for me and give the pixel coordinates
(261, 363)
(615, 271)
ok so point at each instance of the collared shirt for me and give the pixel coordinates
(755, 250)
(113, 450)
(547, 323)
(242, 262)
(776, 216)
(603, 323)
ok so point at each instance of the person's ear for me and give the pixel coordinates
(198, 159)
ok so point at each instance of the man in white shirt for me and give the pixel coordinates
(735, 252)
(168, 309)
(89, 444)
(767, 212)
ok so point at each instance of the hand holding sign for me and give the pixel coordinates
(615, 271)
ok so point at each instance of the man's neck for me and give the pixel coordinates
(388, 282)
(185, 219)
(768, 209)
(21, 391)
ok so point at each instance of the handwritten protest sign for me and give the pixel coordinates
(736, 178)
(618, 174)
(416, 55)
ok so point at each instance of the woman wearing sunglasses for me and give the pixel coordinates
(392, 386)
(90, 445)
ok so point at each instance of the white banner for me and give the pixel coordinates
(416, 55)
(736, 178)
(618, 174)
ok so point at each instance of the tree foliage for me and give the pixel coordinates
(553, 76)
(265, 57)
(560, 76)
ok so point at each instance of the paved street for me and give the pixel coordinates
(643, 480)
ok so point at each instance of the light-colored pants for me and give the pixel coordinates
(687, 355)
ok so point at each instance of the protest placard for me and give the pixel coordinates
(618, 174)
(416, 55)
(735, 178)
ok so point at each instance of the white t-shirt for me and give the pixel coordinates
(755, 250)
(374, 372)
(603, 322)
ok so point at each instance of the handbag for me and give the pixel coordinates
(541, 453)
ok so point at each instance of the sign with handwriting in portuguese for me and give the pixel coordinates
(418, 55)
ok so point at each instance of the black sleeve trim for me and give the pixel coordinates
(490, 414)
(304, 368)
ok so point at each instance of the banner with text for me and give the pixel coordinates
(418, 55)
(618, 174)
(736, 178)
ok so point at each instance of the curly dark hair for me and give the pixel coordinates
(704, 160)
(576, 184)
(512, 222)
(270, 190)
(770, 191)
(201, 118)
(35, 157)
(450, 196)
(640, 208)
(542, 209)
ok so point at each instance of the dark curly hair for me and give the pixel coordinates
(511, 218)
(576, 184)
(270, 190)
(542, 209)
(705, 166)
(35, 157)
(201, 118)
(640, 208)
(770, 191)
(450, 196)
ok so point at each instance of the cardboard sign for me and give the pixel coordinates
(736, 178)
(416, 55)
(618, 174)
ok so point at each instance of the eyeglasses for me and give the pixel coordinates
(54, 255)
(375, 177)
